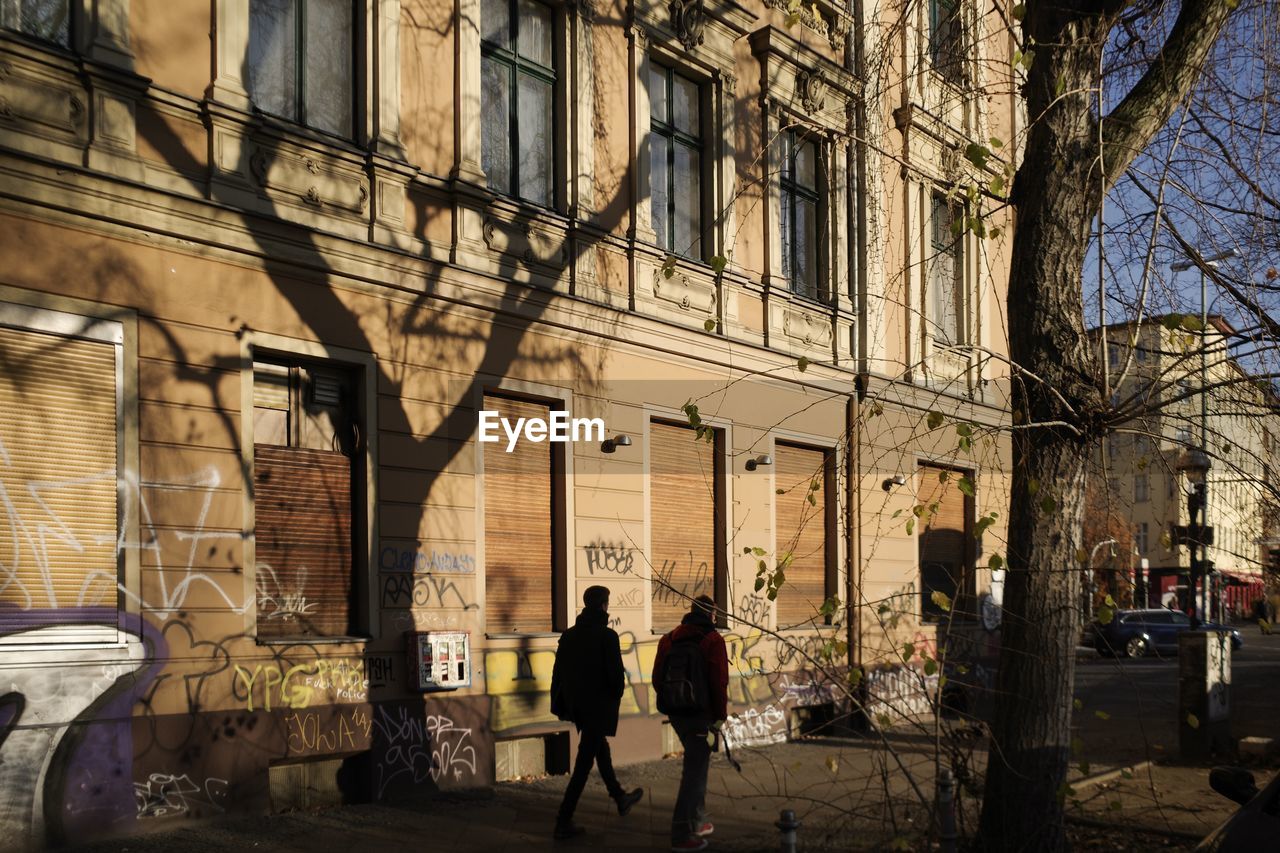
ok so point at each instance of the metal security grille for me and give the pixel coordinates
(519, 527)
(801, 473)
(58, 486)
(684, 490)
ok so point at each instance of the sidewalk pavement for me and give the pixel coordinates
(850, 794)
(836, 787)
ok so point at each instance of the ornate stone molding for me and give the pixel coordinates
(686, 293)
(812, 89)
(806, 328)
(688, 20)
(526, 242)
(639, 35)
(310, 180)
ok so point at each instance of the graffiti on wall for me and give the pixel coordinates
(169, 795)
(756, 727)
(613, 557)
(171, 555)
(413, 558)
(408, 591)
(274, 685)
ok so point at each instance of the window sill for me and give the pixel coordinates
(516, 635)
(309, 641)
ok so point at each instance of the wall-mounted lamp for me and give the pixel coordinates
(611, 444)
(896, 480)
(762, 459)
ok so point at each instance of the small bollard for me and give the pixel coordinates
(788, 825)
(946, 804)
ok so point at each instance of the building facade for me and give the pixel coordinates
(1159, 366)
(267, 262)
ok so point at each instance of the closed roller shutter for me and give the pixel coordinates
(683, 488)
(802, 530)
(302, 501)
(944, 545)
(58, 516)
(303, 470)
(518, 527)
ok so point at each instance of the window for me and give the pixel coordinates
(675, 155)
(301, 61)
(523, 518)
(802, 519)
(60, 452)
(945, 549)
(307, 471)
(946, 274)
(1182, 435)
(49, 20)
(686, 534)
(1141, 537)
(1141, 491)
(946, 39)
(801, 214)
(518, 78)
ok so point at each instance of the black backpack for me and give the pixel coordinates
(683, 691)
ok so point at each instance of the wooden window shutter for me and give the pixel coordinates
(944, 541)
(519, 526)
(802, 530)
(303, 509)
(59, 429)
(683, 488)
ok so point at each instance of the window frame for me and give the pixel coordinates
(790, 191)
(561, 461)
(365, 621)
(355, 84)
(831, 461)
(73, 23)
(516, 64)
(946, 48)
(674, 137)
(955, 248)
(964, 596)
(75, 318)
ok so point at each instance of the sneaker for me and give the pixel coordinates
(627, 800)
(705, 830)
(567, 830)
(693, 842)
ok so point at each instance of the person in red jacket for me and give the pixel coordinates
(691, 679)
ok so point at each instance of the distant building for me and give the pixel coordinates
(1157, 365)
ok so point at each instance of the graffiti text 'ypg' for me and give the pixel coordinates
(292, 687)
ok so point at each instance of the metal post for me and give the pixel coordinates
(788, 825)
(946, 805)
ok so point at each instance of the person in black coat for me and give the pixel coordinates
(586, 687)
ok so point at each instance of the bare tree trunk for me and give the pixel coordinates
(1059, 410)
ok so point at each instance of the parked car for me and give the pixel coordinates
(1256, 825)
(1137, 633)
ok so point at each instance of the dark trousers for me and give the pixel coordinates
(593, 748)
(691, 811)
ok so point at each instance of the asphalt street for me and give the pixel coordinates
(1129, 707)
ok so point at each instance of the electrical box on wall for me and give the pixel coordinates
(439, 660)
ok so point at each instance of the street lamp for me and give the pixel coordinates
(1194, 463)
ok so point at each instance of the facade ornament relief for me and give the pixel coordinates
(639, 35)
(688, 20)
(812, 89)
